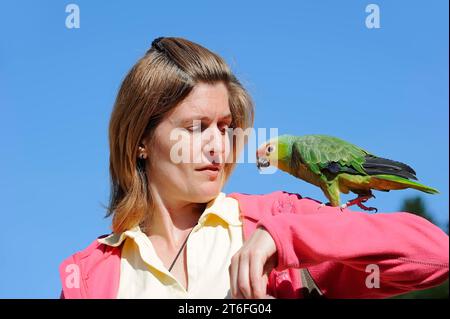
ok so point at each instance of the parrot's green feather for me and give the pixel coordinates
(409, 183)
(317, 151)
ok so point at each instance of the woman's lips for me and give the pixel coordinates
(210, 170)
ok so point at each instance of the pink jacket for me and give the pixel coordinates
(341, 251)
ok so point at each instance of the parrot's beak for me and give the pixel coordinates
(262, 162)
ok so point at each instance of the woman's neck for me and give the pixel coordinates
(171, 220)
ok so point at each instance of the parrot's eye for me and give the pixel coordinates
(270, 149)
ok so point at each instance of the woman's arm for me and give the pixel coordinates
(344, 249)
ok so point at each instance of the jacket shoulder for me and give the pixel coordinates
(76, 270)
(259, 198)
(93, 250)
(276, 195)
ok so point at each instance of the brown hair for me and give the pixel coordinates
(154, 86)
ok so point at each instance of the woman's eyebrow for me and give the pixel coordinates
(189, 120)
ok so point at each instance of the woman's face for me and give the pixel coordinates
(191, 146)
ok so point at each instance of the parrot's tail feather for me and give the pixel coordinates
(374, 165)
(384, 182)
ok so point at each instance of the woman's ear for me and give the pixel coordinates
(142, 151)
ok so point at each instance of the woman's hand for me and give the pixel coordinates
(251, 265)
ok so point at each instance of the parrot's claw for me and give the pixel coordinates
(358, 201)
(367, 208)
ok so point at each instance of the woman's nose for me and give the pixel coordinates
(215, 142)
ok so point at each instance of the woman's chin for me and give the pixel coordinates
(206, 192)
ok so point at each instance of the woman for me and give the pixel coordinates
(176, 235)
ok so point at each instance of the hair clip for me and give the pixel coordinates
(157, 45)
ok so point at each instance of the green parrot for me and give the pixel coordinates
(337, 166)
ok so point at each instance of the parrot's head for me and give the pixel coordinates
(275, 152)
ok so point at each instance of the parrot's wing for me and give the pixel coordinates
(320, 152)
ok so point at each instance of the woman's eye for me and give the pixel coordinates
(195, 129)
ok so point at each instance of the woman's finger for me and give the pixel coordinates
(243, 280)
(257, 282)
(233, 269)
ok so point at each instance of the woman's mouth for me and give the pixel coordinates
(212, 170)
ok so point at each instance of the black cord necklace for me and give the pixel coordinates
(181, 249)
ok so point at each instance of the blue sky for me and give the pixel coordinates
(311, 67)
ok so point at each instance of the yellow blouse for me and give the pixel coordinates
(210, 246)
